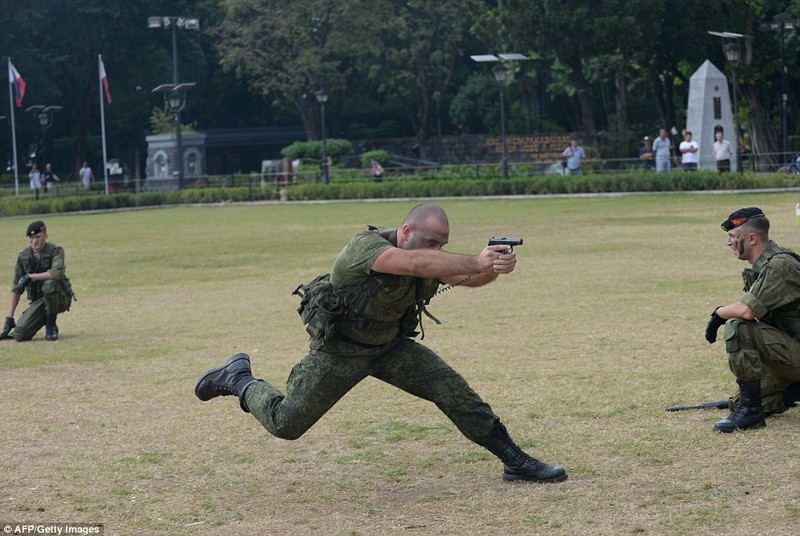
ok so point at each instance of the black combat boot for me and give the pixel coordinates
(748, 413)
(8, 327)
(516, 464)
(791, 395)
(232, 378)
(51, 329)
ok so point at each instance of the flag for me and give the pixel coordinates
(104, 79)
(17, 84)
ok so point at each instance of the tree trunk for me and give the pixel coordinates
(763, 144)
(587, 123)
(621, 102)
(310, 115)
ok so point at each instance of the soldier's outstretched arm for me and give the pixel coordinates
(435, 263)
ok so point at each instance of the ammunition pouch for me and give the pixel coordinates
(320, 308)
(69, 295)
(330, 313)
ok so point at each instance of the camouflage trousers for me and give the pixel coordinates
(53, 301)
(324, 376)
(757, 351)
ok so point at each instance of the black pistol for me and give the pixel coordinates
(505, 241)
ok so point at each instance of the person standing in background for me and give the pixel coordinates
(647, 155)
(573, 156)
(689, 152)
(36, 179)
(86, 176)
(50, 177)
(723, 152)
(662, 147)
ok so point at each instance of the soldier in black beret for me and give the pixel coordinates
(762, 328)
(40, 271)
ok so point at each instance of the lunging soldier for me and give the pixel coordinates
(362, 320)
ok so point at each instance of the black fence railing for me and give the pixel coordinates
(763, 163)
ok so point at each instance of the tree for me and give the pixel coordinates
(55, 47)
(288, 49)
(559, 30)
(417, 46)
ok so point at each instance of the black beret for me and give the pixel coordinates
(742, 216)
(35, 228)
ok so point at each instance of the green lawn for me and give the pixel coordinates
(579, 351)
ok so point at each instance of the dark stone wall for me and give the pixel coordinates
(474, 148)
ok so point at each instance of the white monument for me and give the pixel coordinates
(709, 110)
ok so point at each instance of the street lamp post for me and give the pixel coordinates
(175, 100)
(782, 26)
(186, 23)
(499, 71)
(437, 98)
(322, 98)
(733, 55)
(44, 115)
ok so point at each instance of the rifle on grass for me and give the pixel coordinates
(719, 404)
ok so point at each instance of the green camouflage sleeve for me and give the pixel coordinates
(777, 285)
(57, 267)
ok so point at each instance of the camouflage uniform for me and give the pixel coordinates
(361, 323)
(768, 349)
(46, 297)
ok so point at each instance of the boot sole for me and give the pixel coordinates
(736, 428)
(554, 480)
(235, 358)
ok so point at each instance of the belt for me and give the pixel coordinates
(342, 338)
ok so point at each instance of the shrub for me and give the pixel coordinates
(380, 155)
(445, 182)
(312, 150)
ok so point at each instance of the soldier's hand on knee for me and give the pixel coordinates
(23, 282)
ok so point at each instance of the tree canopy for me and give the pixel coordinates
(611, 70)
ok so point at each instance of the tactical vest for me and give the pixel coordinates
(787, 318)
(33, 264)
(364, 313)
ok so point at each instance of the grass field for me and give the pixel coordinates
(579, 351)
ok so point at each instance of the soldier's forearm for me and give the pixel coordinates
(13, 305)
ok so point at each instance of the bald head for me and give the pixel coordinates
(425, 227)
(425, 211)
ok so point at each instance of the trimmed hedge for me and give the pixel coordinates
(543, 185)
(440, 185)
(19, 206)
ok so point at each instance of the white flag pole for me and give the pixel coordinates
(102, 118)
(13, 129)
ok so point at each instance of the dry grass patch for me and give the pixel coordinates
(579, 351)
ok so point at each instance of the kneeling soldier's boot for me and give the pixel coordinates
(232, 378)
(748, 413)
(8, 327)
(791, 395)
(516, 464)
(51, 329)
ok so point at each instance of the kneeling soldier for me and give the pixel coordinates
(40, 271)
(762, 328)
